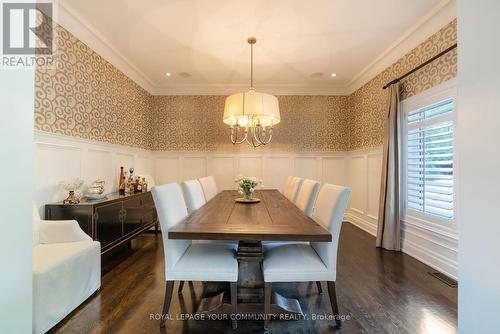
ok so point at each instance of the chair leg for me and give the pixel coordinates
(234, 302)
(320, 289)
(166, 303)
(181, 285)
(333, 303)
(267, 305)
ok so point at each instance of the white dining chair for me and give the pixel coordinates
(307, 196)
(303, 196)
(293, 189)
(193, 194)
(286, 184)
(306, 263)
(209, 187)
(185, 261)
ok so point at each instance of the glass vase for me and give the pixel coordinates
(249, 195)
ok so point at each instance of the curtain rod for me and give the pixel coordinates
(421, 65)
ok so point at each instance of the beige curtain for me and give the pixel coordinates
(388, 232)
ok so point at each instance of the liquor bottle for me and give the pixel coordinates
(121, 182)
(121, 190)
(138, 185)
(131, 186)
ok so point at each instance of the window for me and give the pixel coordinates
(429, 156)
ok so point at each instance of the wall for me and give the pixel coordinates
(16, 136)
(478, 138)
(173, 130)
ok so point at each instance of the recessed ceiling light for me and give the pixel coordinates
(168, 74)
(316, 75)
(334, 75)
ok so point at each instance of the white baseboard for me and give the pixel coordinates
(362, 223)
(431, 258)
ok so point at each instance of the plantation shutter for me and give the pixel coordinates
(430, 159)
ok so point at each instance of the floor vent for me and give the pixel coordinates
(445, 279)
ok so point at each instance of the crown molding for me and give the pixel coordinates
(441, 15)
(222, 89)
(68, 18)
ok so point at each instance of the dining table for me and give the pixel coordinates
(271, 217)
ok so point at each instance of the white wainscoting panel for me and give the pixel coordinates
(166, 169)
(373, 174)
(334, 170)
(53, 165)
(357, 181)
(276, 170)
(144, 164)
(306, 167)
(193, 167)
(251, 166)
(97, 166)
(223, 169)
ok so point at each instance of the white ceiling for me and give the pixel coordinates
(203, 42)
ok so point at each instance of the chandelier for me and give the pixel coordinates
(251, 115)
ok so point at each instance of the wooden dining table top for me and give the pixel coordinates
(274, 218)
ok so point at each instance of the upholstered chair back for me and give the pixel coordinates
(209, 187)
(193, 194)
(293, 189)
(307, 196)
(329, 211)
(287, 184)
(171, 210)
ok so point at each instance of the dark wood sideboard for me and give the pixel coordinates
(112, 221)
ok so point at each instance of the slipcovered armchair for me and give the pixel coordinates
(66, 270)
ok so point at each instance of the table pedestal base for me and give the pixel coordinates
(282, 308)
(216, 298)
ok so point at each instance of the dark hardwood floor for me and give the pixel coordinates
(378, 292)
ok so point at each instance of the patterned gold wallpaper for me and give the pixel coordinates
(194, 123)
(368, 104)
(87, 97)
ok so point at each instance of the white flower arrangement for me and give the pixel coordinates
(247, 185)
